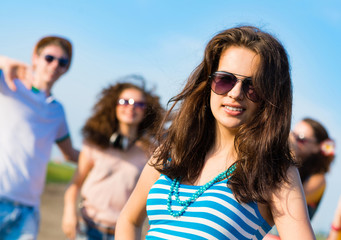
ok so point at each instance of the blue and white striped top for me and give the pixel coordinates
(216, 214)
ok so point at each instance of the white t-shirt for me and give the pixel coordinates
(30, 123)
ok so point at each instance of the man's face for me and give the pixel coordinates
(49, 65)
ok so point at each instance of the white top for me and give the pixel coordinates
(30, 123)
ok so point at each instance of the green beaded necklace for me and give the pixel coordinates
(175, 188)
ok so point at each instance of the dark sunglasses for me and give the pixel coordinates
(301, 139)
(126, 102)
(223, 82)
(62, 62)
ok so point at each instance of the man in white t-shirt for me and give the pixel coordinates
(31, 121)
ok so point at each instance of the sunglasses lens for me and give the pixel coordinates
(249, 90)
(222, 83)
(49, 58)
(122, 102)
(63, 62)
(140, 104)
(300, 139)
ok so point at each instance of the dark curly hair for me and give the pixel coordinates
(262, 143)
(103, 122)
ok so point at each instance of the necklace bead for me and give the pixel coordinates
(185, 204)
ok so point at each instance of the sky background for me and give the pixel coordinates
(163, 40)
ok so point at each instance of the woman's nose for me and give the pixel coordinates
(237, 91)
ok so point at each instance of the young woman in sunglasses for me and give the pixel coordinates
(118, 140)
(224, 169)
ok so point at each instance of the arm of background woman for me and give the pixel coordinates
(129, 223)
(314, 188)
(289, 211)
(69, 220)
(335, 232)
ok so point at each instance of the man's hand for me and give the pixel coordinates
(13, 69)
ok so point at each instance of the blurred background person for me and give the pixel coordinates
(31, 121)
(314, 152)
(118, 141)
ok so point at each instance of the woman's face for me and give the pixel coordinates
(130, 107)
(234, 108)
(303, 141)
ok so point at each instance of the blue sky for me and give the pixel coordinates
(163, 40)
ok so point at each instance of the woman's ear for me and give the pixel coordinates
(328, 147)
(35, 58)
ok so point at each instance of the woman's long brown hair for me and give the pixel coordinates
(261, 144)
